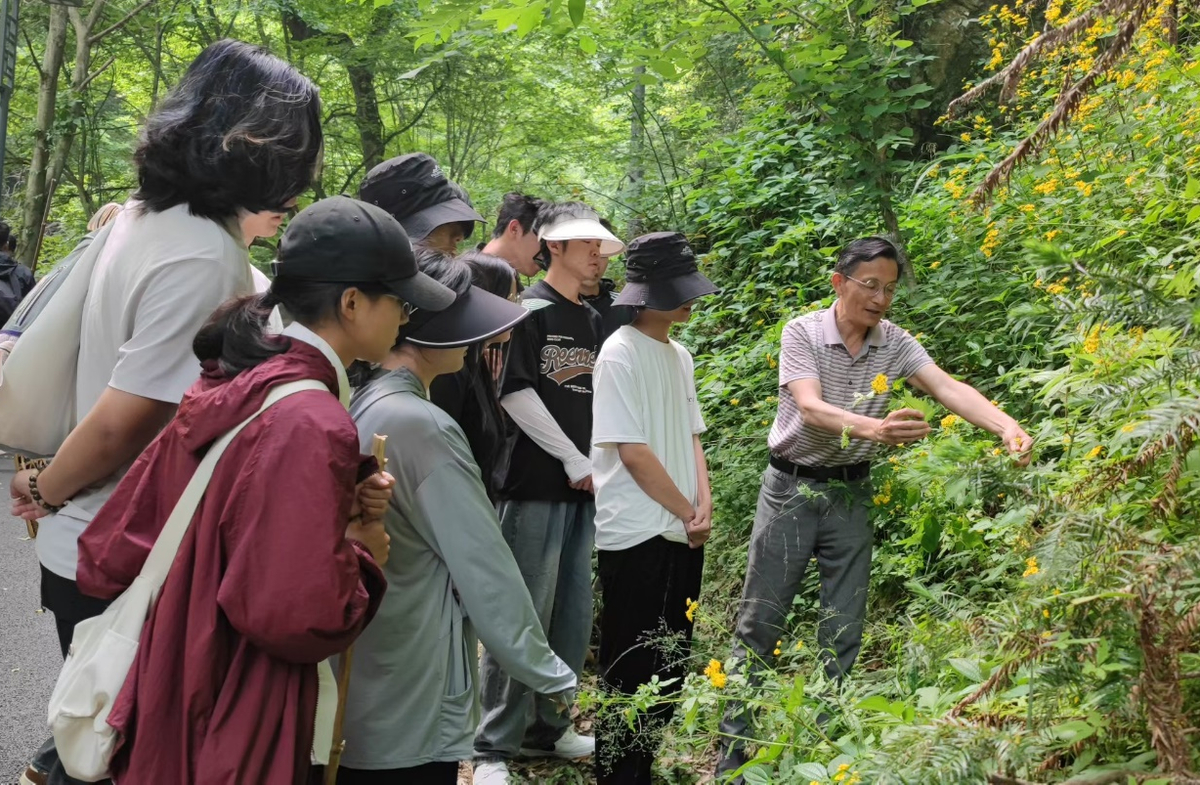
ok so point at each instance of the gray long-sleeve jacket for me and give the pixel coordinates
(414, 688)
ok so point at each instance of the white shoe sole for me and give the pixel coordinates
(531, 753)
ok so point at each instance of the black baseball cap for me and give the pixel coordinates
(661, 273)
(343, 240)
(414, 190)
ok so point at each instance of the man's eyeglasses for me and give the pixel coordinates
(875, 287)
(408, 308)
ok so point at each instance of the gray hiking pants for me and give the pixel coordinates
(552, 542)
(797, 519)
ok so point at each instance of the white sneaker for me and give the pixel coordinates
(491, 773)
(571, 746)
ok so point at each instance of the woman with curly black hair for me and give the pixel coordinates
(220, 162)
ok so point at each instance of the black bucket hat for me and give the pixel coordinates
(343, 240)
(415, 191)
(474, 317)
(661, 273)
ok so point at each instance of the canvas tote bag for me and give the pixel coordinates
(37, 379)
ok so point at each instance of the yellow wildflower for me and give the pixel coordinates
(1128, 428)
(1027, 208)
(734, 401)
(935, 265)
(715, 674)
(692, 607)
(965, 137)
(880, 384)
(1047, 634)
(772, 362)
(997, 452)
(949, 420)
(1046, 612)
(1031, 567)
(1092, 343)
(799, 645)
(1094, 452)
(1050, 235)
(1055, 288)
(1047, 188)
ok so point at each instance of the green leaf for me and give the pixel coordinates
(967, 668)
(1192, 189)
(588, 45)
(807, 772)
(1074, 731)
(575, 8)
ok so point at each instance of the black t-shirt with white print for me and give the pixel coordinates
(552, 352)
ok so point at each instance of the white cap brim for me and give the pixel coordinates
(584, 229)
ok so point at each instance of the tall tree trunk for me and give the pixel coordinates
(362, 80)
(637, 143)
(36, 186)
(79, 81)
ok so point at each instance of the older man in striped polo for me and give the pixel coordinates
(836, 371)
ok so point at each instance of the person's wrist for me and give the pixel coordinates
(36, 492)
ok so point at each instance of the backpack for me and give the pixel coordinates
(11, 292)
(105, 647)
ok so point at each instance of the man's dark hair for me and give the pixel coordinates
(242, 129)
(865, 249)
(8, 242)
(553, 212)
(518, 207)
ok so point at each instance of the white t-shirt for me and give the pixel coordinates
(644, 392)
(157, 281)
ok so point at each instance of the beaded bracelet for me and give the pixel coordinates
(37, 496)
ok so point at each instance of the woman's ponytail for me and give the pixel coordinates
(236, 335)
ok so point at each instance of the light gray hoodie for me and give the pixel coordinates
(414, 688)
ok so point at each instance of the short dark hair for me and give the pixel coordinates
(550, 213)
(490, 273)
(242, 129)
(7, 241)
(864, 249)
(518, 207)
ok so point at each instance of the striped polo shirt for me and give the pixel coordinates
(813, 349)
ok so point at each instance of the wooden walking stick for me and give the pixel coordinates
(379, 450)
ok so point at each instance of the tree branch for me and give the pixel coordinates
(95, 39)
(88, 79)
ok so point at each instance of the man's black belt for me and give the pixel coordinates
(847, 473)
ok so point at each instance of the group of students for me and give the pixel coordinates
(526, 427)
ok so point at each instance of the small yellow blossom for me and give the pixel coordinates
(778, 651)
(692, 607)
(734, 401)
(949, 420)
(771, 361)
(965, 137)
(1050, 235)
(880, 384)
(1092, 343)
(799, 645)
(1130, 428)
(1055, 288)
(715, 674)
(1094, 452)
(1027, 208)
(1031, 567)
(1046, 612)
(997, 452)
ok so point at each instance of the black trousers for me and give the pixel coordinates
(61, 596)
(644, 632)
(429, 774)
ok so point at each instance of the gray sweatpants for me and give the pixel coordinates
(796, 520)
(552, 542)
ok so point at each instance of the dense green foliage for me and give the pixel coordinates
(1026, 625)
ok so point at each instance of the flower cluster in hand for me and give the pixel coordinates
(879, 385)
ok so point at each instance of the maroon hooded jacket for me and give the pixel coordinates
(265, 585)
